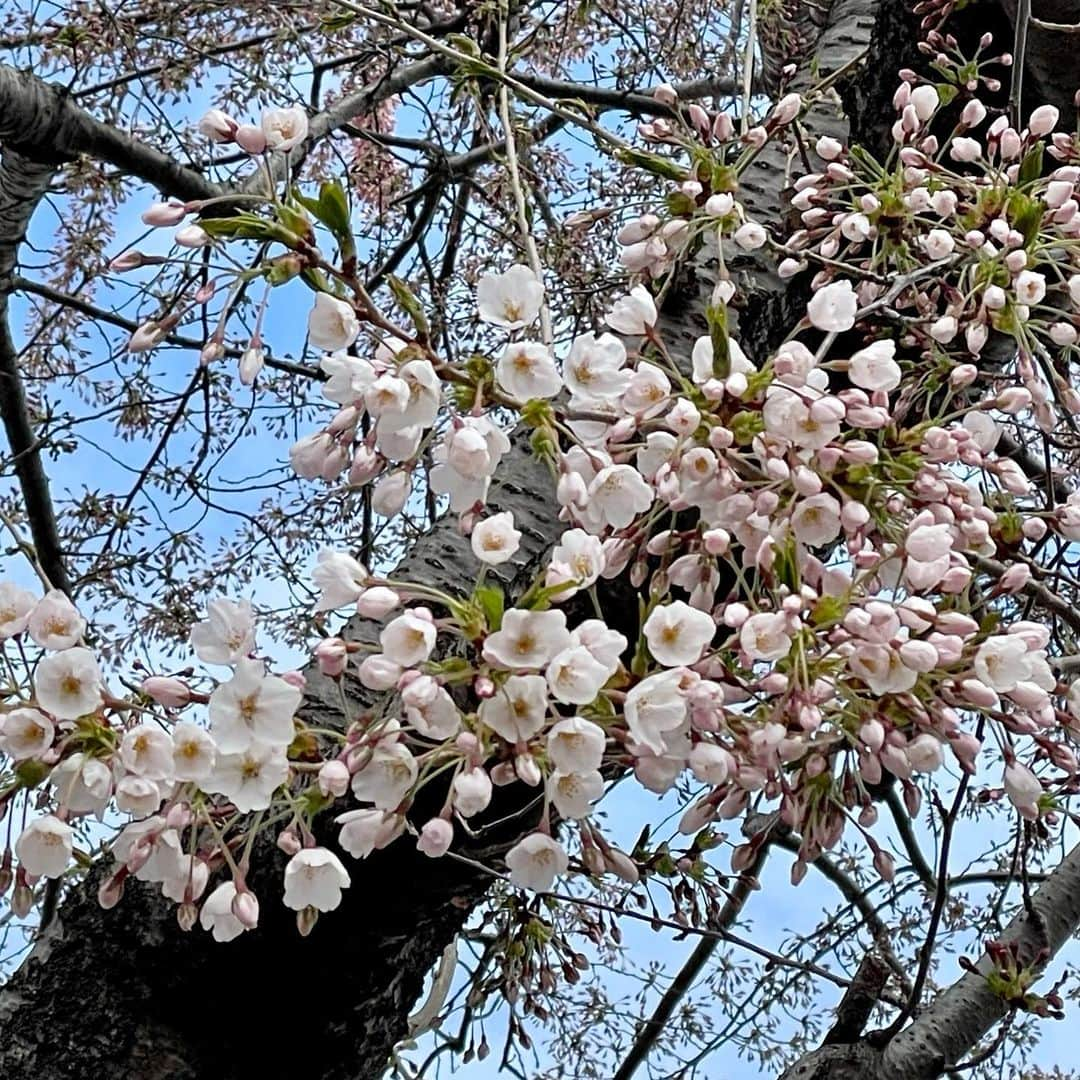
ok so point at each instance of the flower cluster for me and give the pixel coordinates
(826, 539)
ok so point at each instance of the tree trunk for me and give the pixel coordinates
(125, 994)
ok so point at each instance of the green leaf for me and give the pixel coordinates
(334, 210)
(492, 603)
(241, 226)
(651, 163)
(716, 316)
(407, 301)
(1032, 166)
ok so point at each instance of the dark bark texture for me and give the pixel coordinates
(125, 994)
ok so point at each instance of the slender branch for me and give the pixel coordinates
(652, 1028)
(76, 303)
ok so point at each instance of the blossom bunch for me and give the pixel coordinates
(828, 540)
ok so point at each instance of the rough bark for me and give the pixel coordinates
(123, 993)
(128, 991)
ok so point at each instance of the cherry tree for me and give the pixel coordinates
(599, 400)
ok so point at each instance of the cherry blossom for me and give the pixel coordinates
(340, 579)
(527, 370)
(575, 745)
(252, 707)
(284, 128)
(677, 633)
(518, 708)
(535, 862)
(217, 913)
(362, 831)
(44, 846)
(193, 752)
(249, 778)
(227, 634)
(634, 313)
(54, 623)
(386, 777)
(573, 794)
(495, 540)
(527, 640)
(16, 606)
(314, 878)
(511, 299)
(68, 684)
(332, 324)
(147, 751)
(408, 639)
(833, 308)
(25, 733)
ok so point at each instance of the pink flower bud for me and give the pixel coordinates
(288, 841)
(158, 214)
(435, 837)
(621, 865)
(218, 126)
(787, 108)
(334, 778)
(186, 916)
(112, 889)
(245, 907)
(1043, 120)
(192, 236)
(527, 769)
(251, 138)
(167, 690)
(665, 94)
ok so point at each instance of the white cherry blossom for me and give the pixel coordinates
(249, 779)
(193, 752)
(68, 684)
(833, 307)
(253, 706)
(332, 324)
(55, 623)
(595, 371)
(226, 634)
(573, 794)
(408, 639)
(284, 128)
(363, 831)
(82, 784)
(617, 495)
(25, 733)
(765, 636)
(16, 605)
(677, 633)
(387, 777)
(634, 313)
(1002, 661)
(511, 299)
(527, 370)
(527, 640)
(656, 707)
(875, 367)
(217, 913)
(517, 709)
(147, 751)
(575, 676)
(576, 745)
(340, 579)
(44, 847)
(495, 540)
(536, 861)
(314, 877)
